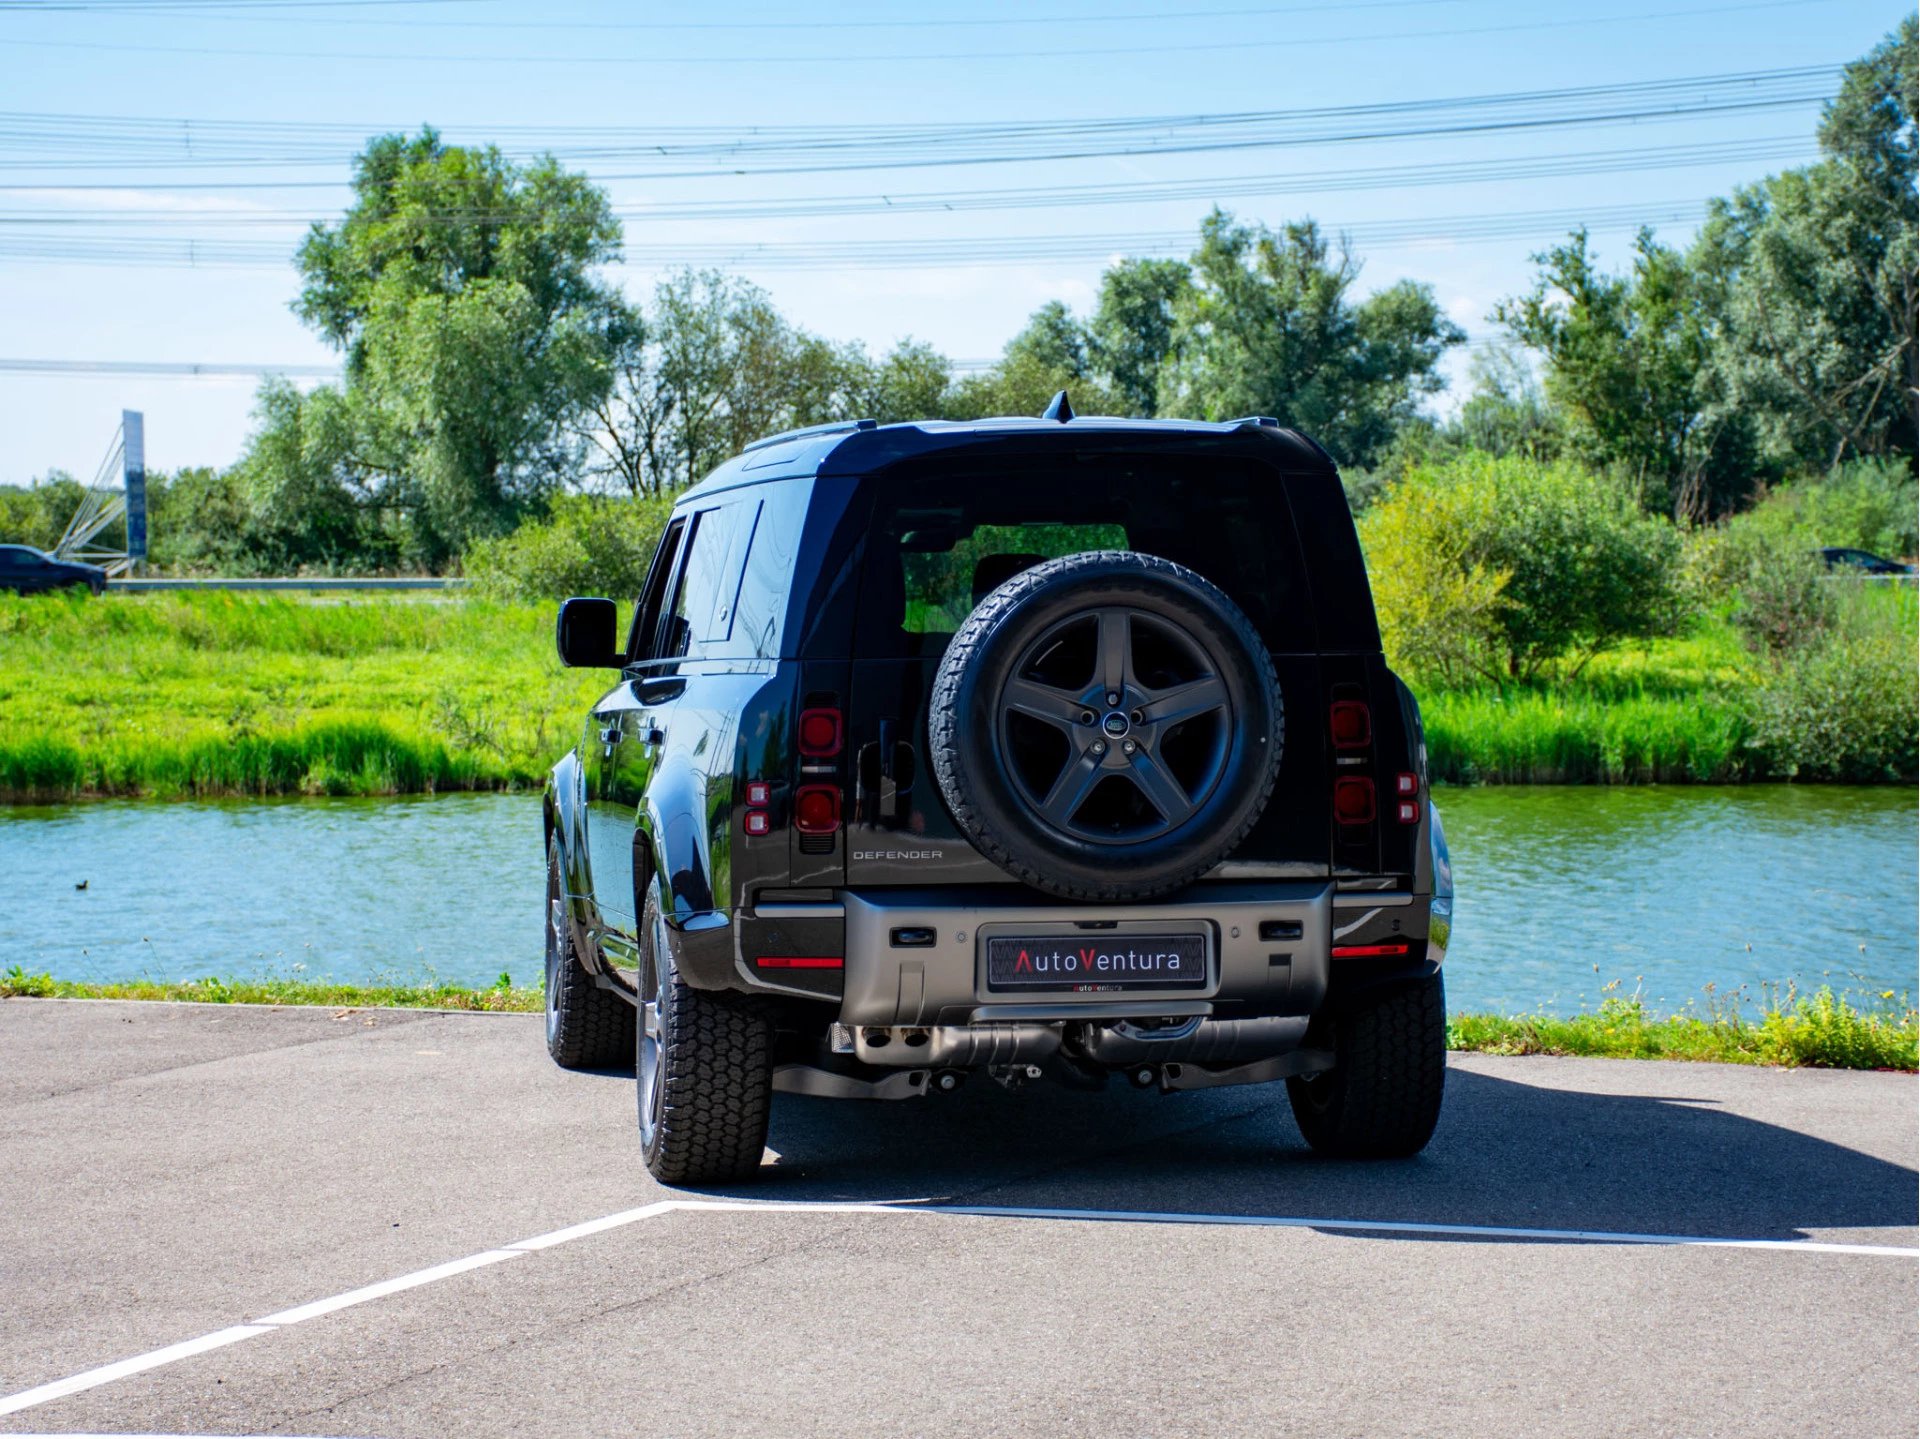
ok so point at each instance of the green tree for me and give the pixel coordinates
(1268, 327)
(461, 288)
(1132, 329)
(1814, 271)
(710, 365)
(1506, 567)
(1506, 411)
(1628, 367)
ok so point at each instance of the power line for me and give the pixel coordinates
(971, 251)
(164, 369)
(815, 150)
(1104, 18)
(895, 57)
(1396, 177)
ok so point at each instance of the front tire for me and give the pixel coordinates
(1382, 1098)
(587, 1027)
(703, 1066)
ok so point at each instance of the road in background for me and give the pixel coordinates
(170, 1172)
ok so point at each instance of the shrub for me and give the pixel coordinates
(1865, 504)
(1785, 597)
(1505, 566)
(587, 545)
(1842, 707)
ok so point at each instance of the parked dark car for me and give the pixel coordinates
(1018, 749)
(1861, 562)
(26, 571)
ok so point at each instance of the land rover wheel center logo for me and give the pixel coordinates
(1115, 723)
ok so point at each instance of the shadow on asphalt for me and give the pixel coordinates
(1505, 1154)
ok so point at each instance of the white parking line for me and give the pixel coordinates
(140, 1363)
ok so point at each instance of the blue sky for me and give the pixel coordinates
(602, 79)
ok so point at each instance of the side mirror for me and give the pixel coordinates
(586, 635)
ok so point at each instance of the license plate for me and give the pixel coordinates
(1097, 965)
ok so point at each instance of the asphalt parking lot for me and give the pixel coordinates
(232, 1221)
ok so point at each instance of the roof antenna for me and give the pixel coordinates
(1058, 408)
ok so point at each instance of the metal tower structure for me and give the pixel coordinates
(118, 492)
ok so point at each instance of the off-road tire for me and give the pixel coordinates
(714, 1072)
(1381, 1100)
(587, 1027)
(986, 807)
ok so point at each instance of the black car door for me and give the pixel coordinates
(612, 802)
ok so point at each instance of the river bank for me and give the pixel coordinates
(1814, 1032)
(177, 695)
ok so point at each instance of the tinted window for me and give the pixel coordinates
(646, 614)
(703, 580)
(940, 541)
(766, 583)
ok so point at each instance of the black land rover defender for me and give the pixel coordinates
(1055, 748)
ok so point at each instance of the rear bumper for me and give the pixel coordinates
(941, 980)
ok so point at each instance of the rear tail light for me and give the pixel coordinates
(759, 796)
(821, 733)
(1351, 724)
(1370, 951)
(816, 809)
(1407, 787)
(1353, 800)
(800, 961)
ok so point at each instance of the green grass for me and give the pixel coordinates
(182, 694)
(500, 997)
(1818, 1032)
(175, 694)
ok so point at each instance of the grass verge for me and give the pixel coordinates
(221, 693)
(177, 694)
(1819, 1032)
(502, 997)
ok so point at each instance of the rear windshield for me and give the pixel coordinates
(940, 542)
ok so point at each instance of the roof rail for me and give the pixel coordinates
(836, 427)
(1264, 421)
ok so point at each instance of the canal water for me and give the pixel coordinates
(1562, 891)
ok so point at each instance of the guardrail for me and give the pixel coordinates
(293, 583)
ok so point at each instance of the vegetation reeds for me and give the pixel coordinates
(503, 996)
(1821, 1031)
(221, 693)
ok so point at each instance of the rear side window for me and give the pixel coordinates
(767, 577)
(709, 577)
(940, 540)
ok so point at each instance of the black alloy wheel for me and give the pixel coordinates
(1145, 726)
(1106, 726)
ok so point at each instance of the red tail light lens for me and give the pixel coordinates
(820, 733)
(800, 961)
(758, 821)
(1370, 951)
(1406, 784)
(1351, 723)
(816, 809)
(1353, 800)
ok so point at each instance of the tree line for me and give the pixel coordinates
(490, 369)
